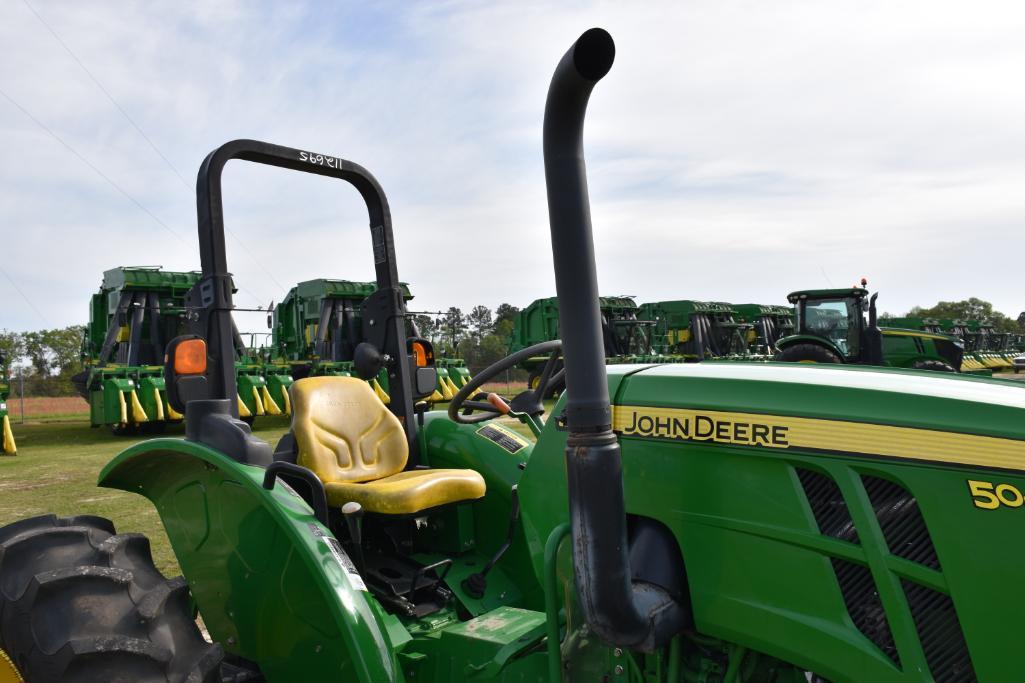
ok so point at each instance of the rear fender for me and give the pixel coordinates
(272, 584)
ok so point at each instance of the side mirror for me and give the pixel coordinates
(185, 364)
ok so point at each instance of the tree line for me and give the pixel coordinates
(972, 308)
(44, 359)
(480, 337)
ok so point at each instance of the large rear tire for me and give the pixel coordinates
(83, 604)
(807, 353)
(934, 365)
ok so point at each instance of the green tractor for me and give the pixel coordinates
(698, 330)
(831, 327)
(627, 336)
(315, 332)
(677, 523)
(7, 444)
(769, 323)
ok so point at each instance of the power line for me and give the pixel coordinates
(106, 92)
(25, 297)
(88, 163)
(100, 173)
(145, 137)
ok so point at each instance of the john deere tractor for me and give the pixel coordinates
(831, 327)
(7, 444)
(681, 523)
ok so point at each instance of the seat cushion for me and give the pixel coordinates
(408, 492)
(344, 432)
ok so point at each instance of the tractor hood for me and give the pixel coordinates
(742, 404)
(908, 332)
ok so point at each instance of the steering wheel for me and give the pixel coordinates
(530, 402)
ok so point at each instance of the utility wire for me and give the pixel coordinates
(100, 173)
(25, 297)
(145, 137)
(88, 163)
(105, 91)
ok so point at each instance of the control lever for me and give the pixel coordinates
(353, 512)
(476, 584)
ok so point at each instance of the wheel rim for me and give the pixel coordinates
(9, 672)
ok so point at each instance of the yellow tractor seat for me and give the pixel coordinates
(358, 449)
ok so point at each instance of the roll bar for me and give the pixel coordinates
(384, 311)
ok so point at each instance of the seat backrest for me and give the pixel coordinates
(343, 432)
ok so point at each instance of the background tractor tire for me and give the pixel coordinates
(533, 379)
(935, 365)
(82, 604)
(807, 353)
(129, 429)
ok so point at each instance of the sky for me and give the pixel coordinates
(737, 151)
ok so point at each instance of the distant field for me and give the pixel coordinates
(505, 388)
(38, 407)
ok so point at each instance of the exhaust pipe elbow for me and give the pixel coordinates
(619, 610)
(576, 280)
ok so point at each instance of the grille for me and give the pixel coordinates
(901, 521)
(828, 506)
(864, 606)
(939, 630)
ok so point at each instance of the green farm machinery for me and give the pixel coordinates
(996, 350)
(131, 318)
(7, 444)
(317, 327)
(769, 323)
(986, 351)
(698, 330)
(674, 523)
(627, 336)
(262, 385)
(831, 327)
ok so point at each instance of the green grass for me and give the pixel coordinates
(56, 469)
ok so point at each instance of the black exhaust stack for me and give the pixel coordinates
(621, 612)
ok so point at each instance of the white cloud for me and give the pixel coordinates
(738, 150)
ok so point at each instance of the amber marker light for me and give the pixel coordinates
(190, 357)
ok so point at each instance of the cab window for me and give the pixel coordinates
(836, 320)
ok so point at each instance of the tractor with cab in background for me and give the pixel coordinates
(830, 326)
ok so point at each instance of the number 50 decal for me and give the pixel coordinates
(989, 497)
